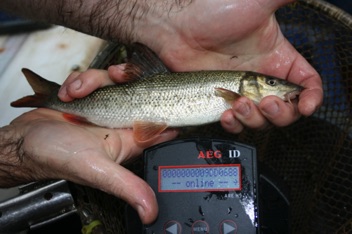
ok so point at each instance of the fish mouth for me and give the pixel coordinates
(291, 95)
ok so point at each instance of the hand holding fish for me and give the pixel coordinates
(193, 35)
(238, 35)
(52, 148)
(187, 36)
(155, 98)
(231, 35)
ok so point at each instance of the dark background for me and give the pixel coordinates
(343, 4)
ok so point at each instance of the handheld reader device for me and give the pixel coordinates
(203, 185)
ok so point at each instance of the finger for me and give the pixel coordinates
(304, 74)
(63, 89)
(309, 101)
(135, 192)
(117, 73)
(114, 179)
(248, 114)
(311, 97)
(78, 86)
(230, 123)
(274, 5)
(87, 82)
(278, 112)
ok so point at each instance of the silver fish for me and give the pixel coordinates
(159, 98)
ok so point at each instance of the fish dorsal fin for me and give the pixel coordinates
(226, 94)
(143, 62)
(144, 130)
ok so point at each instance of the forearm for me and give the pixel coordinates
(105, 19)
(11, 158)
(117, 20)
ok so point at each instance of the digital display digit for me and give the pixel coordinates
(200, 178)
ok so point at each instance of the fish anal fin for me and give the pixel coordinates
(75, 119)
(226, 94)
(144, 130)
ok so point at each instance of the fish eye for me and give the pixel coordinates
(271, 82)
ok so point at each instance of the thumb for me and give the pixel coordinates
(79, 85)
(274, 5)
(106, 175)
(136, 192)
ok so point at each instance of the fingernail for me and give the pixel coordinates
(76, 84)
(62, 92)
(229, 121)
(271, 108)
(140, 211)
(243, 108)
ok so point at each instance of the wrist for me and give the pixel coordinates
(11, 156)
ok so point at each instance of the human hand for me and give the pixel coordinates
(52, 148)
(200, 35)
(227, 35)
(223, 39)
(236, 35)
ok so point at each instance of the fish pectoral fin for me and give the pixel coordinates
(144, 130)
(226, 94)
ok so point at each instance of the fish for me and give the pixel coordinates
(155, 98)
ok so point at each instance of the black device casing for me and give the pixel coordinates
(224, 212)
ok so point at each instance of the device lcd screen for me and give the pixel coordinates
(199, 178)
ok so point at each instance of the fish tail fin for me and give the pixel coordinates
(42, 88)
